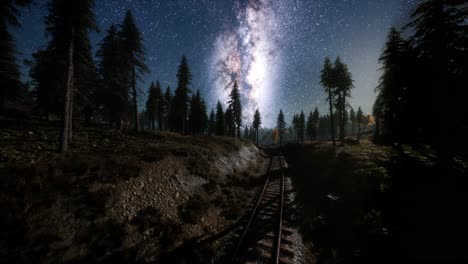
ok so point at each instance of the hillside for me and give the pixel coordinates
(117, 195)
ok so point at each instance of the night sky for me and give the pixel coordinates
(274, 48)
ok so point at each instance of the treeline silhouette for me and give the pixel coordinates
(318, 127)
(67, 83)
(422, 91)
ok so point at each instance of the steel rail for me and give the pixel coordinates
(254, 212)
(280, 222)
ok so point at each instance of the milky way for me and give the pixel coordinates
(248, 54)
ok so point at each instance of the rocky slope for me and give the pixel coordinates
(117, 196)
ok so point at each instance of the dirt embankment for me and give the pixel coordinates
(116, 196)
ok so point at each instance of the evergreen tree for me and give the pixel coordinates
(252, 133)
(220, 125)
(192, 116)
(377, 113)
(151, 105)
(167, 106)
(45, 84)
(352, 118)
(359, 120)
(197, 117)
(9, 69)
(133, 54)
(257, 123)
(211, 123)
(312, 124)
(160, 105)
(301, 127)
(439, 42)
(112, 93)
(280, 126)
(236, 107)
(343, 84)
(246, 132)
(68, 23)
(315, 123)
(327, 80)
(393, 87)
(181, 97)
(230, 122)
(85, 95)
(203, 117)
(295, 125)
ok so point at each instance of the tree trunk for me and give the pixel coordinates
(359, 131)
(70, 130)
(331, 116)
(135, 102)
(342, 118)
(377, 130)
(65, 133)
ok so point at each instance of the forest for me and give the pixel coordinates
(402, 167)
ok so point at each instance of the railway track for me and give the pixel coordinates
(265, 238)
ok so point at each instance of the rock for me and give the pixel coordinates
(177, 194)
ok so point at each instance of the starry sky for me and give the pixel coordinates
(274, 49)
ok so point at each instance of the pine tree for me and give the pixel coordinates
(181, 97)
(160, 105)
(343, 84)
(359, 120)
(113, 92)
(133, 53)
(236, 107)
(197, 117)
(257, 123)
(310, 126)
(9, 69)
(151, 105)
(220, 125)
(280, 126)
(327, 80)
(439, 42)
(301, 127)
(295, 125)
(393, 86)
(167, 108)
(246, 132)
(85, 80)
(230, 122)
(68, 23)
(377, 113)
(192, 116)
(45, 84)
(211, 123)
(352, 118)
(315, 123)
(203, 117)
